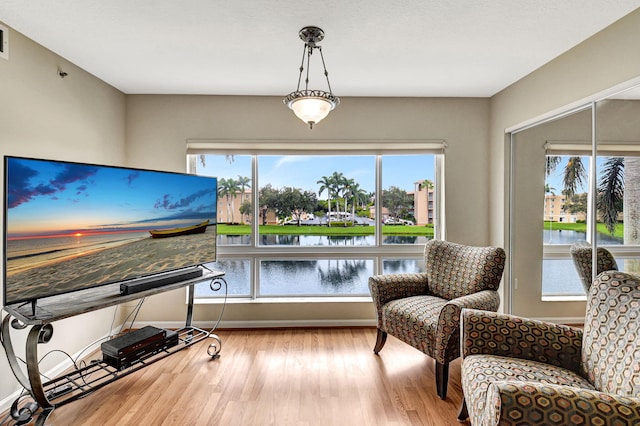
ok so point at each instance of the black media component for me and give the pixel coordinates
(131, 348)
(130, 342)
(145, 283)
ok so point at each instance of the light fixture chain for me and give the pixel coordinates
(309, 52)
(326, 73)
(304, 51)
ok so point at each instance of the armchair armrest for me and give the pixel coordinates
(511, 336)
(509, 403)
(388, 287)
(448, 334)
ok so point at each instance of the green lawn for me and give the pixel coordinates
(582, 227)
(224, 229)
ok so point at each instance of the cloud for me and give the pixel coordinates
(291, 159)
(73, 173)
(166, 202)
(20, 189)
(132, 176)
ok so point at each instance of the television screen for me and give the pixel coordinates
(71, 226)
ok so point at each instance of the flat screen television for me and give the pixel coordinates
(72, 226)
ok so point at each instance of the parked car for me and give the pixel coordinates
(397, 221)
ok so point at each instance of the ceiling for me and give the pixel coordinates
(251, 47)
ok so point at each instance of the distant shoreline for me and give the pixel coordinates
(129, 259)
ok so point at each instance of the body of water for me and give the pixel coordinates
(572, 237)
(319, 240)
(318, 277)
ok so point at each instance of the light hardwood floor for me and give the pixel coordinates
(297, 376)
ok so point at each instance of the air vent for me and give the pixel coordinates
(4, 42)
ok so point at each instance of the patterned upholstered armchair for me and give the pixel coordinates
(423, 309)
(581, 255)
(522, 371)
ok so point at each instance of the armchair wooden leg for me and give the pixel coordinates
(442, 379)
(381, 339)
(464, 412)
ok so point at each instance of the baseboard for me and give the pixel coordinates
(5, 403)
(207, 325)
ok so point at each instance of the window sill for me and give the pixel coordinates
(281, 300)
(564, 298)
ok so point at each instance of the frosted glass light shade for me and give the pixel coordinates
(311, 106)
(311, 110)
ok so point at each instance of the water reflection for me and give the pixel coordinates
(402, 266)
(237, 275)
(559, 276)
(233, 240)
(315, 277)
(350, 276)
(343, 272)
(571, 237)
(320, 240)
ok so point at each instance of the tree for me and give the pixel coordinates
(426, 183)
(245, 208)
(574, 176)
(268, 199)
(356, 195)
(228, 188)
(396, 201)
(611, 188)
(340, 183)
(549, 189)
(223, 192)
(293, 202)
(325, 184)
(337, 187)
(576, 204)
(243, 184)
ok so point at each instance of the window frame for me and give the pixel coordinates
(377, 252)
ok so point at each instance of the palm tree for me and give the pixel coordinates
(223, 191)
(228, 188)
(234, 188)
(611, 188)
(348, 192)
(549, 189)
(427, 183)
(574, 176)
(243, 184)
(338, 183)
(356, 195)
(325, 184)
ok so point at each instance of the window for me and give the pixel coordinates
(571, 224)
(604, 138)
(309, 224)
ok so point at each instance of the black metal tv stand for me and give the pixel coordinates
(82, 381)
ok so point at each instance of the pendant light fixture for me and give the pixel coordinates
(311, 106)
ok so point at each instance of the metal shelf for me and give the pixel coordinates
(84, 380)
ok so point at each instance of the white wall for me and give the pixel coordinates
(78, 118)
(609, 58)
(159, 126)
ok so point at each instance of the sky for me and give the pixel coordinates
(51, 198)
(555, 180)
(303, 171)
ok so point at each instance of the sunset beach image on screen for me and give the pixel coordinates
(70, 226)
